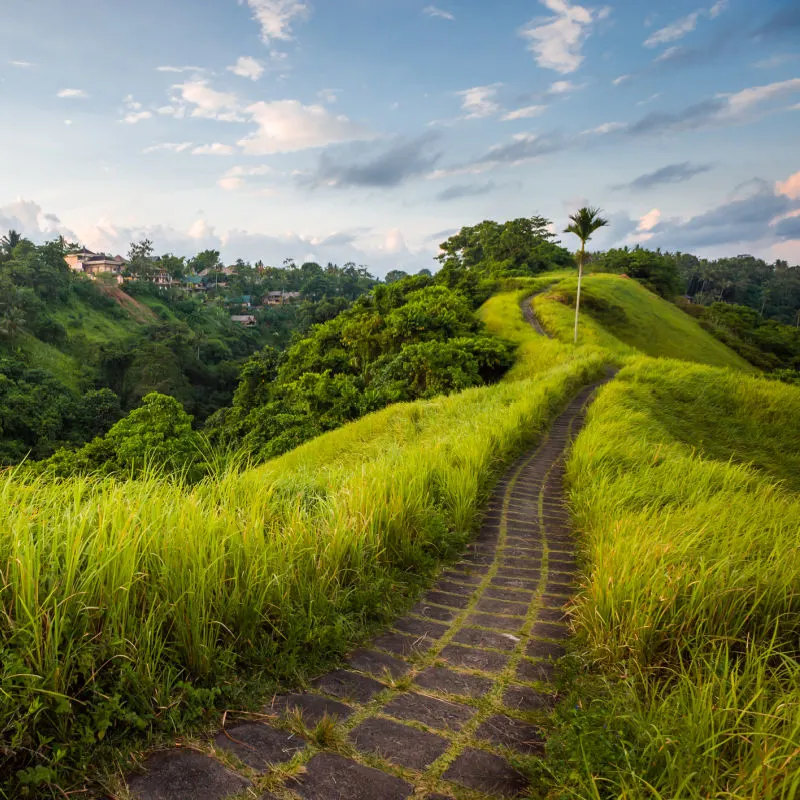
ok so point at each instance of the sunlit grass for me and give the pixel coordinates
(685, 485)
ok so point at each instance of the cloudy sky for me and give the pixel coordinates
(371, 129)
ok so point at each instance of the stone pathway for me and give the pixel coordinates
(446, 704)
(530, 315)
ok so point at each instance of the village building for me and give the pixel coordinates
(279, 298)
(248, 320)
(94, 264)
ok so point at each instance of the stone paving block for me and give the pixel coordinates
(259, 745)
(519, 570)
(539, 649)
(550, 630)
(448, 681)
(473, 658)
(398, 743)
(511, 624)
(181, 774)
(331, 777)
(502, 730)
(563, 563)
(449, 600)
(502, 607)
(472, 569)
(402, 644)
(523, 698)
(543, 671)
(421, 627)
(516, 583)
(429, 711)
(313, 707)
(478, 558)
(522, 554)
(475, 637)
(454, 587)
(348, 685)
(455, 575)
(559, 587)
(428, 611)
(553, 600)
(378, 663)
(553, 615)
(515, 595)
(486, 772)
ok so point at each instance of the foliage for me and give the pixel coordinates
(128, 607)
(685, 484)
(408, 340)
(658, 271)
(520, 247)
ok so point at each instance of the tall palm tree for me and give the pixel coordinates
(10, 241)
(584, 222)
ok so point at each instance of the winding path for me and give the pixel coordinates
(530, 315)
(446, 704)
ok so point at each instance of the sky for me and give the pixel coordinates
(371, 130)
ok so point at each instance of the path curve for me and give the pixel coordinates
(449, 702)
(530, 315)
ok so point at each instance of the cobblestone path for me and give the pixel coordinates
(446, 704)
(530, 315)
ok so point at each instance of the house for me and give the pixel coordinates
(193, 283)
(245, 301)
(94, 264)
(279, 298)
(162, 279)
(248, 320)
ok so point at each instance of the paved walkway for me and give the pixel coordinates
(449, 702)
(530, 315)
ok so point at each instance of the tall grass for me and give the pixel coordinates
(622, 317)
(137, 605)
(685, 486)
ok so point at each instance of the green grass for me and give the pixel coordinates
(685, 488)
(132, 606)
(623, 317)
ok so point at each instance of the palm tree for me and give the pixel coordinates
(10, 241)
(585, 221)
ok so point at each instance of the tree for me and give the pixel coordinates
(584, 223)
(140, 258)
(9, 242)
(395, 275)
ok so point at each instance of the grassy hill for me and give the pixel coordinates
(623, 317)
(133, 605)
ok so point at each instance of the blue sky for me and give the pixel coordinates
(367, 130)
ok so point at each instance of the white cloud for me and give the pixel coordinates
(777, 61)
(31, 221)
(563, 87)
(173, 147)
(136, 116)
(479, 101)
(179, 69)
(668, 53)
(433, 11)
(22, 64)
(790, 187)
(677, 30)
(276, 17)
(717, 8)
(230, 184)
(740, 103)
(649, 220)
(286, 126)
(649, 100)
(216, 149)
(209, 103)
(606, 127)
(329, 96)
(683, 26)
(68, 122)
(247, 67)
(234, 178)
(621, 79)
(557, 41)
(72, 94)
(523, 113)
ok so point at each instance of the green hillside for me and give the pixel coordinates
(132, 609)
(623, 317)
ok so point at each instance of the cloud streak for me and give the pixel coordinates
(672, 173)
(438, 13)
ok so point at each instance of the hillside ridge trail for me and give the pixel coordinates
(450, 702)
(530, 315)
